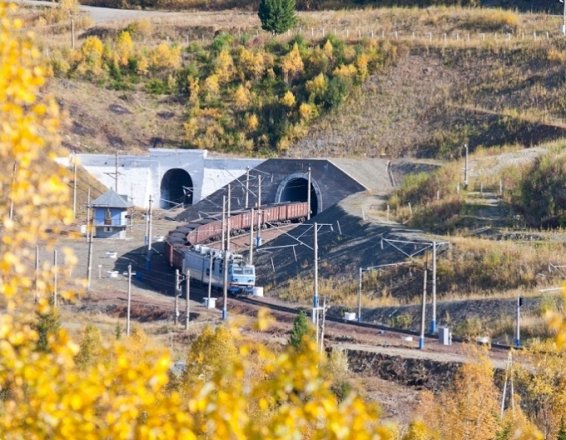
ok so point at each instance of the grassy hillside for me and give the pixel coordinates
(435, 79)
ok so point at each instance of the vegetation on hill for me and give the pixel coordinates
(239, 97)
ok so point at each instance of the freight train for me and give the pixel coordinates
(184, 250)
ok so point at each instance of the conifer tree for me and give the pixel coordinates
(277, 16)
(300, 329)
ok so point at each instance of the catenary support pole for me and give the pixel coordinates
(251, 255)
(360, 295)
(423, 314)
(149, 225)
(187, 298)
(129, 309)
(177, 292)
(74, 186)
(247, 195)
(89, 233)
(228, 221)
(116, 172)
(309, 194)
(210, 277)
(433, 328)
(315, 296)
(223, 239)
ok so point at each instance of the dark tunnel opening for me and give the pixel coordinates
(295, 190)
(176, 189)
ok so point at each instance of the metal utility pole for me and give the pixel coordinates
(259, 212)
(116, 172)
(55, 275)
(187, 298)
(247, 195)
(309, 195)
(433, 320)
(210, 278)
(360, 296)
(563, 27)
(518, 327)
(315, 296)
(251, 255)
(89, 232)
(466, 166)
(423, 313)
(177, 284)
(149, 224)
(74, 186)
(128, 314)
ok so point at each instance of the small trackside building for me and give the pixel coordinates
(110, 215)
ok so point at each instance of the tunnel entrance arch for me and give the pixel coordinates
(295, 189)
(176, 189)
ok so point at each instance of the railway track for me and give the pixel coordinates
(356, 324)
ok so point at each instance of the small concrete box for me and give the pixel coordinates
(444, 336)
(210, 304)
(349, 316)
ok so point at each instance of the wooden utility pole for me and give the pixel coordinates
(129, 307)
(309, 195)
(251, 255)
(423, 313)
(177, 283)
(187, 298)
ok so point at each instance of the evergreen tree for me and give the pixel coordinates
(47, 324)
(300, 329)
(562, 432)
(277, 16)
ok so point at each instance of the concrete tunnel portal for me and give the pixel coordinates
(295, 189)
(176, 189)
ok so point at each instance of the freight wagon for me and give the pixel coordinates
(284, 212)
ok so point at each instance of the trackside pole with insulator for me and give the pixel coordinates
(423, 314)
(251, 255)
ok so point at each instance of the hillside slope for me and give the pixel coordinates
(431, 103)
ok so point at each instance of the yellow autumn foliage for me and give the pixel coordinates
(242, 97)
(124, 48)
(288, 99)
(292, 63)
(165, 57)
